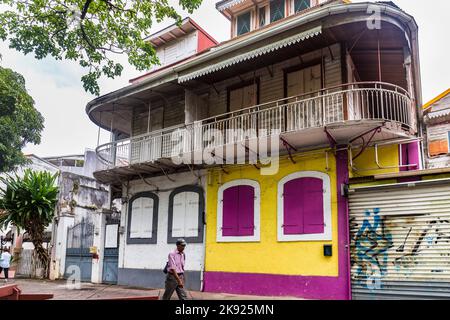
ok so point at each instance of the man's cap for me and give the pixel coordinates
(181, 242)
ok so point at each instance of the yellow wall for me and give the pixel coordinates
(366, 164)
(270, 256)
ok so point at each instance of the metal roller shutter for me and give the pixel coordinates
(400, 242)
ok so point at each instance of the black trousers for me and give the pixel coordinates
(6, 272)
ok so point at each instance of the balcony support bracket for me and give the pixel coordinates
(164, 172)
(365, 145)
(289, 149)
(257, 155)
(192, 170)
(330, 137)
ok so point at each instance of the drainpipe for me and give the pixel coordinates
(202, 272)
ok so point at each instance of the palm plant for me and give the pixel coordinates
(29, 203)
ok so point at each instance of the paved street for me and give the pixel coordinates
(89, 291)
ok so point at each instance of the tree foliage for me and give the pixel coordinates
(20, 122)
(29, 204)
(88, 31)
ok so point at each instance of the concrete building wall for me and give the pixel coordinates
(142, 264)
(269, 266)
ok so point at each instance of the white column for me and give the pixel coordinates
(99, 243)
(59, 266)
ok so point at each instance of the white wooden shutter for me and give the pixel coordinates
(191, 226)
(136, 214)
(179, 213)
(147, 218)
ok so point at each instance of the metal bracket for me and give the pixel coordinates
(366, 145)
(331, 139)
(289, 149)
(165, 173)
(223, 170)
(192, 170)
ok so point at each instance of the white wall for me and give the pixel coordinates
(154, 256)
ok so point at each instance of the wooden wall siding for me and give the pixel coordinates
(272, 88)
(438, 131)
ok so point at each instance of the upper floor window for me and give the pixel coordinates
(304, 207)
(238, 212)
(244, 23)
(143, 219)
(243, 96)
(186, 208)
(277, 10)
(263, 16)
(300, 5)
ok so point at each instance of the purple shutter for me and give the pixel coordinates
(313, 215)
(230, 210)
(303, 206)
(293, 210)
(246, 211)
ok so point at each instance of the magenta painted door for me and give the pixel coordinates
(303, 206)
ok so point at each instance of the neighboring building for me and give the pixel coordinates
(313, 82)
(36, 164)
(437, 127)
(79, 213)
(176, 43)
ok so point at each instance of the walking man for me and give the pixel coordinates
(5, 261)
(175, 272)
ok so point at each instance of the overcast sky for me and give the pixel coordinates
(60, 97)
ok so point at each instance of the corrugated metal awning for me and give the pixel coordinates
(252, 54)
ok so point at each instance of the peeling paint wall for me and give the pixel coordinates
(79, 198)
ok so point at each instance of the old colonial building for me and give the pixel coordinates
(437, 131)
(246, 148)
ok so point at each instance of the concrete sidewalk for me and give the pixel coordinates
(89, 291)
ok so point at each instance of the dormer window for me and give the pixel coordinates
(277, 10)
(244, 23)
(300, 5)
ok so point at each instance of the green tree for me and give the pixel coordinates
(20, 122)
(29, 203)
(90, 32)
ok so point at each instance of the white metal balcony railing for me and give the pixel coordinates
(337, 105)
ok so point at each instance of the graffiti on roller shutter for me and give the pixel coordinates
(371, 245)
(396, 247)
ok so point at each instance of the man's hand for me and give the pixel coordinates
(181, 284)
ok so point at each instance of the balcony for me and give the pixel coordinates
(333, 115)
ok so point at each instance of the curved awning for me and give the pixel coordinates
(252, 54)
